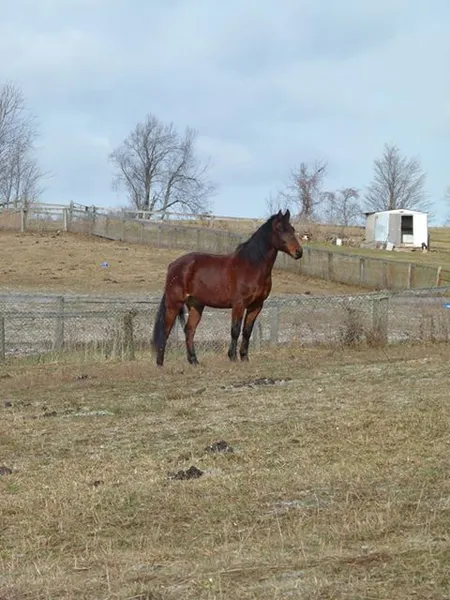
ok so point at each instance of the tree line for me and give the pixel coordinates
(159, 170)
(398, 183)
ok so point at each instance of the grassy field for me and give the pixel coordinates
(337, 488)
(438, 256)
(72, 263)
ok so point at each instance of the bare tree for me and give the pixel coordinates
(304, 190)
(343, 207)
(398, 182)
(22, 178)
(447, 202)
(20, 175)
(160, 170)
(276, 202)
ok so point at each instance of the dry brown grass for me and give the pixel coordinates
(338, 487)
(72, 262)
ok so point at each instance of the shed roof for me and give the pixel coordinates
(397, 211)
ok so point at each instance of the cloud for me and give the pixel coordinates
(267, 85)
(226, 157)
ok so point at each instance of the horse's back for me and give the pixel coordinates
(203, 276)
(199, 259)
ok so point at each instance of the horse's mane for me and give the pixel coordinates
(255, 248)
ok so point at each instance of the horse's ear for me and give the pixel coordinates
(287, 215)
(280, 214)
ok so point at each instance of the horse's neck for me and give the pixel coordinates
(267, 265)
(263, 265)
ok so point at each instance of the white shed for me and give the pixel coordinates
(401, 227)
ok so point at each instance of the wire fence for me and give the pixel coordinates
(37, 325)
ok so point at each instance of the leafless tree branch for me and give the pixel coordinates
(276, 202)
(304, 190)
(160, 170)
(398, 182)
(447, 202)
(20, 175)
(343, 207)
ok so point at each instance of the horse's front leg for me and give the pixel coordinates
(250, 318)
(237, 314)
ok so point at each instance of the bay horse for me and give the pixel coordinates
(241, 281)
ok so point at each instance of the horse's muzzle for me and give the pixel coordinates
(298, 253)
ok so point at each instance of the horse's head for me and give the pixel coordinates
(283, 235)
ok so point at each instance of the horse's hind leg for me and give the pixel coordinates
(236, 323)
(250, 318)
(195, 315)
(172, 312)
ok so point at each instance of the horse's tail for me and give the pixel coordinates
(159, 329)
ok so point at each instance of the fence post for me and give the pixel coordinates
(274, 323)
(2, 340)
(380, 319)
(92, 220)
(65, 219)
(58, 343)
(23, 220)
(438, 276)
(385, 274)
(330, 266)
(410, 275)
(122, 226)
(257, 335)
(128, 335)
(362, 265)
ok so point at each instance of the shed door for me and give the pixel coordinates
(395, 224)
(407, 229)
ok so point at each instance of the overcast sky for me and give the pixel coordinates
(266, 83)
